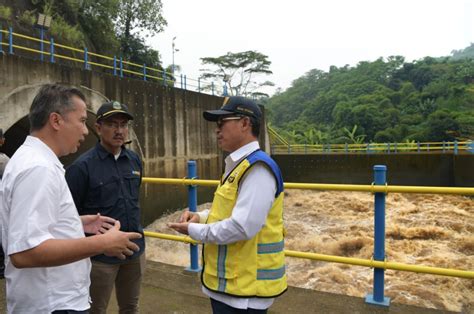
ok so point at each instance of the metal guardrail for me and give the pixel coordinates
(276, 137)
(329, 187)
(116, 65)
(379, 188)
(370, 148)
(342, 259)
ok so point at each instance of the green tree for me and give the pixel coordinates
(135, 18)
(351, 136)
(466, 53)
(441, 126)
(96, 19)
(107, 26)
(239, 72)
(313, 136)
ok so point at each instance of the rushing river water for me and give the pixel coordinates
(428, 230)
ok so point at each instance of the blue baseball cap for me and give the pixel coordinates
(113, 107)
(234, 105)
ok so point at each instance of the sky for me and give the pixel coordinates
(300, 35)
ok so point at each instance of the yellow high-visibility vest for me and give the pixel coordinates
(251, 268)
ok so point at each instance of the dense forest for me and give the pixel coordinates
(387, 100)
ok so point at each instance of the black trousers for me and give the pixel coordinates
(222, 308)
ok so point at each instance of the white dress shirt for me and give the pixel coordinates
(35, 206)
(256, 195)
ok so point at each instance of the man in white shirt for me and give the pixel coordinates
(243, 265)
(47, 264)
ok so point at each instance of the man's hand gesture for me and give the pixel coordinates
(118, 243)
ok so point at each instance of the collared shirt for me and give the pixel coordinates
(35, 206)
(101, 183)
(255, 198)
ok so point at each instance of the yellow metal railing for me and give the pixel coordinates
(85, 60)
(344, 260)
(330, 187)
(275, 137)
(455, 147)
(117, 65)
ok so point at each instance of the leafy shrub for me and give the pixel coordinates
(5, 12)
(65, 33)
(28, 18)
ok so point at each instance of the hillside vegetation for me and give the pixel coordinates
(108, 27)
(387, 100)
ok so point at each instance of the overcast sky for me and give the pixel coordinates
(300, 35)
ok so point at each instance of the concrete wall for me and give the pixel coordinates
(418, 169)
(168, 129)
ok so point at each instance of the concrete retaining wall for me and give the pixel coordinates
(416, 169)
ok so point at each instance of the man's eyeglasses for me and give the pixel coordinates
(220, 122)
(116, 125)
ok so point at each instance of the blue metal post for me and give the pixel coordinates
(346, 148)
(380, 172)
(10, 40)
(144, 71)
(192, 202)
(212, 86)
(85, 59)
(388, 148)
(455, 147)
(199, 85)
(115, 65)
(185, 87)
(471, 147)
(181, 81)
(418, 145)
(51, 50)
(164, 78)
(444, 146)
(121, 67)
(41, 44)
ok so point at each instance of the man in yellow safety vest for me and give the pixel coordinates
(242, 233)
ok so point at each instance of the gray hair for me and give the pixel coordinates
(51, 98)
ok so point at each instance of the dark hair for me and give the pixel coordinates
(51, 98)
(255, 126)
